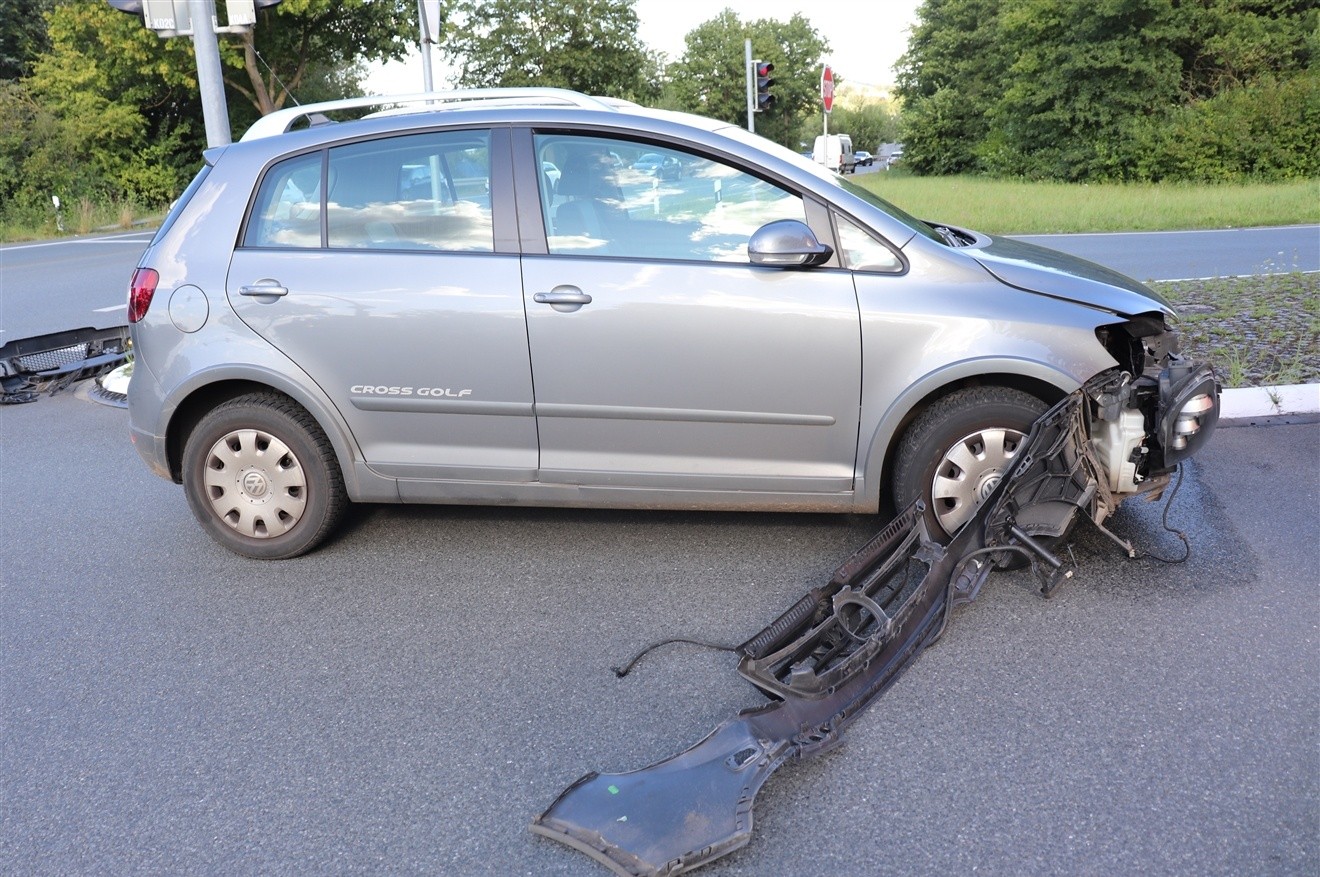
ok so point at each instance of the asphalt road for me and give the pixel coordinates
(408, 698)
(75, 283)
(1186, 255)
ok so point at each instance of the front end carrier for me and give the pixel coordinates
(1151, 412)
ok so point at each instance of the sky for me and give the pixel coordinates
(864, 46)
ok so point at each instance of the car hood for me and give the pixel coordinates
(1059, 275)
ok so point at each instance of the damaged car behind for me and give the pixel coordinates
(402, 308)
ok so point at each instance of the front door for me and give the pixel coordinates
(661, 358)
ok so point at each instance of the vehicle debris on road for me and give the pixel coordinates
(826, 658)
(51, 363)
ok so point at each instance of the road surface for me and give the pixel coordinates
(407, 699)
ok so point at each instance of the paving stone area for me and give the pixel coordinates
(1257, 331)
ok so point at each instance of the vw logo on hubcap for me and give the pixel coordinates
(989, 481)
(255, 484)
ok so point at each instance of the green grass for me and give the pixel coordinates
(1018, 207)
(81, 217)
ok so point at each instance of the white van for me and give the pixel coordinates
(835, 151)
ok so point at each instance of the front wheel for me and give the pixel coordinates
(262, 479)
(954, 454)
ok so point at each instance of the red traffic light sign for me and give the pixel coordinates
(827, 88)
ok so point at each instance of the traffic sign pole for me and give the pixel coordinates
(827, 98)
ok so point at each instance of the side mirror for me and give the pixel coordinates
(786, 243)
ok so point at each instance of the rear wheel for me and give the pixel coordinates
(262, 479)
(954, 454)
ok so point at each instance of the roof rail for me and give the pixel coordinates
(280, 121)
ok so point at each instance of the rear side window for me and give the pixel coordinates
(416, 192)
(420, 192)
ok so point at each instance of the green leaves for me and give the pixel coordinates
(1110, 89)
(586, 45)
(710, 77)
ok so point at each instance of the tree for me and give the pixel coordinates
(118, 109)
(22, 35)
(1229, 43)
(951, 74)
(586, 45)
(869, 123)
(710, 78)
(111, 110)
(1081, 74)
(1145, 89)
(314, 49)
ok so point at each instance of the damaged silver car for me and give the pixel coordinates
(406, 308)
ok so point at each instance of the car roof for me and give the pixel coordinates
(423, 106)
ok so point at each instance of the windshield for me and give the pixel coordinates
(920, 227)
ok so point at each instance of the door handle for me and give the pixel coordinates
(564, 299)
(264, 287)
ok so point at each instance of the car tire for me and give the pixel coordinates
(955, 452)
(261, 477)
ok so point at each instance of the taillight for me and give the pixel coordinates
(140, 291)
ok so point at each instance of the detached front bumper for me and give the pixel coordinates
(826, 658)
(50, 363)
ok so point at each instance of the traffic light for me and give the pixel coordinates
(764, 99)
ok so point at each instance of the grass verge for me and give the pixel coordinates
(1256, 331)
(81, 217)
(1019, 207)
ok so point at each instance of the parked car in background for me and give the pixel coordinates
(404, 309)
(893, 159)
(834, 151)
(862, 157)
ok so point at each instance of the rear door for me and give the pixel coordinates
(389, 292)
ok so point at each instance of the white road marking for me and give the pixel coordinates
(137, 237)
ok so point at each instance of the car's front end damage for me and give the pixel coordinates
(1151, 412)
(826, 658)
(1154, 407)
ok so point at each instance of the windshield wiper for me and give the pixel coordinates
(951, 237)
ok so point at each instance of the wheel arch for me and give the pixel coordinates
(1045, 382)
(210, 389)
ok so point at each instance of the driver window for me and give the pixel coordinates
(639, 200)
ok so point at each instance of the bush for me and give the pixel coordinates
(1267, 131)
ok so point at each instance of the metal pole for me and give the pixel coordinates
(210, 80)
(426, 47)
(751, 86)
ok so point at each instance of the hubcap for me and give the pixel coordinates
(969, 472)
(255, 484)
